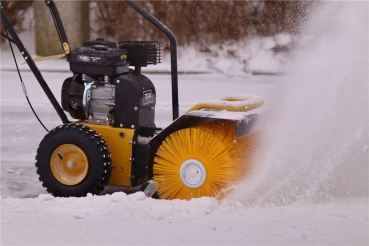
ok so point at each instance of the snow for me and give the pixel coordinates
(121, 219)
(309, 187)
(230, 106)
(143, 140)
(224, 114)
(134, 219)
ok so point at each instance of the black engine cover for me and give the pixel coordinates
(99, 60)
(72, 97)
(100, 41)
(135, 99)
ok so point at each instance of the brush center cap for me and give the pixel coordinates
(193, 173)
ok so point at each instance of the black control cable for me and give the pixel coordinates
(22, 83)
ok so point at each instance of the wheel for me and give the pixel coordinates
(200, 161)
(73, 160)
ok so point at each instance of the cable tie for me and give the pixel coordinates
(24, 88)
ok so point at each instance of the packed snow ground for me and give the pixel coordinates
(135, 220)
(311, 181)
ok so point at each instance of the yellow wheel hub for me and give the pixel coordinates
(69, 164)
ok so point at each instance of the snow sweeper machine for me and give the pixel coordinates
(114, 140)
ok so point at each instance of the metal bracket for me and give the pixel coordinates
(150, 188)
(87, 97)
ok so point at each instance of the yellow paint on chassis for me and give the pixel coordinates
(119, 141)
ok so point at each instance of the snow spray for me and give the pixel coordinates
(315, 135)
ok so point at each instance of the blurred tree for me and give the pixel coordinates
(282, 16)
(194, 22)
(200, 22)
(75, 18)
(15, 12)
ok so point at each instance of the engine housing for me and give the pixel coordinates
(105, 91)
(128, 101)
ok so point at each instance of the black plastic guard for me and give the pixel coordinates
(140, 154)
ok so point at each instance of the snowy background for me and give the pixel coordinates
(309, 187)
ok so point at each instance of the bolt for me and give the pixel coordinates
(121, 168)
(118, 81)
(70, 164)
(132, 126)
(121, 125)
(135, 108)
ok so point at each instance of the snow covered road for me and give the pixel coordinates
(119, 219)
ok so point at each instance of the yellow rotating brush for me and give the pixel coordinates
(201, 161)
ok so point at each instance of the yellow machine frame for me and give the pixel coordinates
(120, 142)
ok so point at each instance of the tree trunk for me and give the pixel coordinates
(75, 18)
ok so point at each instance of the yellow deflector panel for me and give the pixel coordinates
(119, 141)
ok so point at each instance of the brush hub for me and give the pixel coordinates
(193, 173)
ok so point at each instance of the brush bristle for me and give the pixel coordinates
(224, 157)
